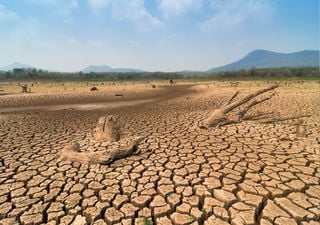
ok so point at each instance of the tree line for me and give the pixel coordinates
(266, 73)
(285, 72)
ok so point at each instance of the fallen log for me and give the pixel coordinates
(222, 116)
(73, 153)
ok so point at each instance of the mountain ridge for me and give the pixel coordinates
(15, 65)
(260, 58)
(106, 68)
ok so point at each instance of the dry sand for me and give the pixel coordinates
(247, 173)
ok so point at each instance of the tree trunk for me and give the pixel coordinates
(24, 88)
(108, 129)
(107, 147)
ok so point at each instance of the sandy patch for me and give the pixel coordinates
(90, 106)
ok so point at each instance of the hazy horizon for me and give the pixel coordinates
(155, 35)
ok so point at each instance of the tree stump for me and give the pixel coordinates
(301, 130)
(105, 147)
(24, 88)
(108, 129)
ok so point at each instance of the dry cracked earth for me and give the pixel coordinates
(247, 173)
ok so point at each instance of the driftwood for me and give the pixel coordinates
(73, 153)
(108, 129)
(104, 147)
(222, 116)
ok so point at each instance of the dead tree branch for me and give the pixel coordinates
(273, 120)
(232, 98)
(221, 116)
(242, 113)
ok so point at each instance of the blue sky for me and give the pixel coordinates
(166, 35)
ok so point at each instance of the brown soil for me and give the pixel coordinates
(246, 173)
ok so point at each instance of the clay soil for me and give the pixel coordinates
(247, 173)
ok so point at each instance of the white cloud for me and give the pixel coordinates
(97, 5)
(130, 10)
(67, 3)
(42, 1)
(95, 44)
(62, 8)
(28, 30)
(80, 43)
(6, 14)
(47, 44)
(66, 8)
(73, 4)
(73, 41)
(177, 7)
(232, 13)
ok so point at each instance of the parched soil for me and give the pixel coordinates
(247, 173)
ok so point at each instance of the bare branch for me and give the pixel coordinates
(248, 98)
(220, 117)
(242, 113)
(273, 120)
(231, 98)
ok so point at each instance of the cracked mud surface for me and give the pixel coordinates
(248, 173)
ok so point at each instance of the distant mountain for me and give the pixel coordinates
(105, 68)
(126, 70)
(14, 65)
(188, 71)
(268, 59)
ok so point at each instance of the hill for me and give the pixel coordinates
(14, 65)
(269, 59)
(105, 68)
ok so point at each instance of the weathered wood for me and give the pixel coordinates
(242, 113)
(230, 100)
(221, 116)
(105, 147)
(281, 119)
(247, 98)
(123, 152)
(72, 153)
(108, 129)
(24, 88)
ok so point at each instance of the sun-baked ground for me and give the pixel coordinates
(247, 173)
